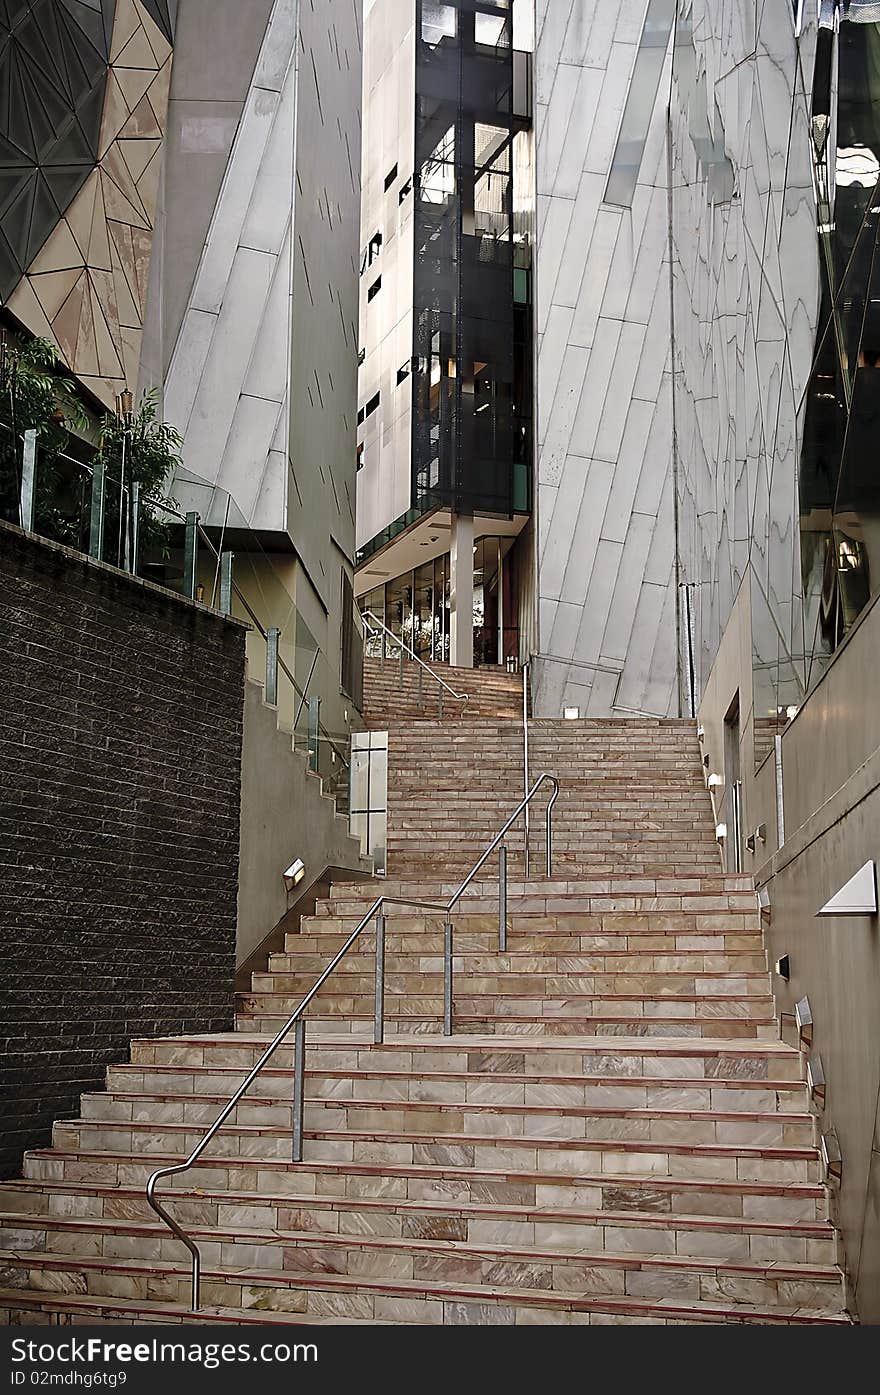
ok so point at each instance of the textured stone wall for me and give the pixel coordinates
(121, 712)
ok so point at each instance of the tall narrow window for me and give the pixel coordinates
(640, 101)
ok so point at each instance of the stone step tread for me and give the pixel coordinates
(656, 1181)
(550, 1111)
(461, 1292)
(782, 1151)
(139, 1310)
(314, 1239)
(491, 1210)
(671, 1046)
(694, 1082)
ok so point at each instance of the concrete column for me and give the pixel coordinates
(461, 591)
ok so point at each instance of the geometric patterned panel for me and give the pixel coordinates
(53, 66)
(87, 287)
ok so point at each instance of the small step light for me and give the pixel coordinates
(294, 874)
(832, 1158)
(764, 898)
(720, 832)
(714, 781)
(701, 733)
(571, 714)
(783, 967)
(803, 1016)
(816, 1079)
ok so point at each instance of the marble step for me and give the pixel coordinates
(426, 1301)
(46, 1246)
(710, 1058)
(493, 1113)
(354, 977)
(775, 1200)
(415, 961)
(559, 1092)
(339, 1019)
(637, 1220)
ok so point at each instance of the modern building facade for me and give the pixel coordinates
(181, 192)
(445, 420)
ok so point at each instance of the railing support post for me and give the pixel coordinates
(502, 898)
(96, 521)
(550, 839)
(400, 672)
(299, 1072)
(447, 979)
(272, 637)
(190, 555)
(420, 684)
(314, 732)
(526, 784)
(134, 552)
(379, 1019)
(28, 481)
(440, 703)
(226, 564)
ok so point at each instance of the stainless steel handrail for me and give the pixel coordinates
(405, 649)
(525, 674)
(297, 1023)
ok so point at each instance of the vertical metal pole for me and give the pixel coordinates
(500, 586)
(526, 785)
(419, 667)
(299, 1072)
(549, 840)
(272, 637)
(440, 701)
(96, 523)
(28, 480)
(314, 731)
(379, 1019)
(447, 979)
(502, 897)
(190, 555)
(226, 565)
(780, 802)
(135, 555)
(400, 674)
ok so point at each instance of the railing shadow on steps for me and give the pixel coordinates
(296, 1022)
(381, 631)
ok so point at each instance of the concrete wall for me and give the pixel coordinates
(284, 815)
(120, 745)
(832, 823)
(831, 784)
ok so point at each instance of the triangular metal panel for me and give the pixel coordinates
(858, 896)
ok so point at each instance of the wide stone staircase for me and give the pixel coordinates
(615, 1132)
(395, 693)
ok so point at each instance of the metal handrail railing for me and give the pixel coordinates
(525, 674)
(368, 616)
(296, 1021)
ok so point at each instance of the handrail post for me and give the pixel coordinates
(379, 1019)
(314, 737)
(421, 704)
(299, 1071)
(190, 555)
(400, 673)
(440, 703)
(272, 637)
(28, 481)
(96, 520)
(502, 897)
(550, 838)
(135, 530)
(227, 562)
(447, 979)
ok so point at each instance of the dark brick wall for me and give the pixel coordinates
(121, 711)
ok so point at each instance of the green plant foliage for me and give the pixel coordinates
(150, 449)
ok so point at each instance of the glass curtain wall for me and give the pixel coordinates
(463, 379)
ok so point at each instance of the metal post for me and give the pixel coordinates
(502, 898)
(400, 674)
(272, 637)
(299, 1072)
(28, 480)
(226, 565)
(526, 784)
(96, 523)
(314, 732)
(379, 1020)
(190, 555)
(440, 701)
(780, 802)
(550, 839)
(447, 979)
(420, 684)
(135, 557)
